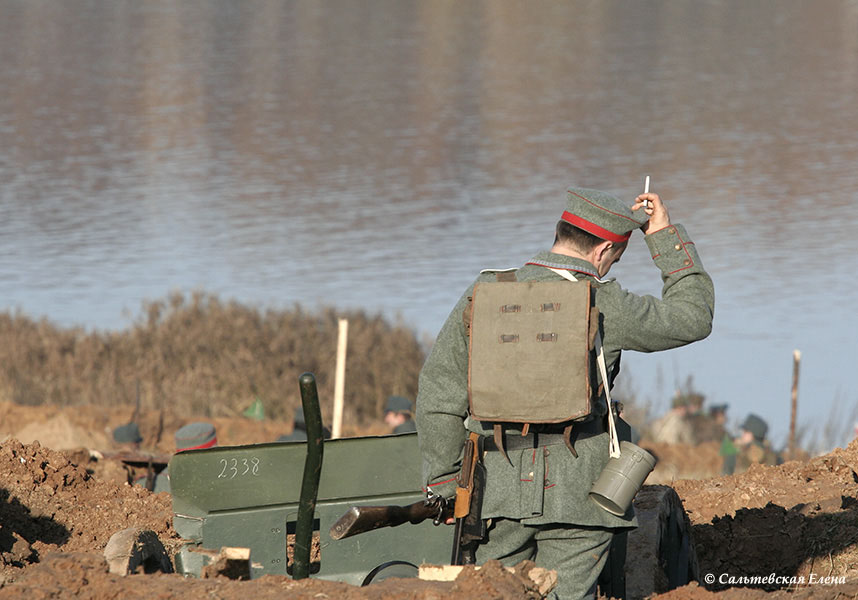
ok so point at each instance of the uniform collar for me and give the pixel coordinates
(561, 261)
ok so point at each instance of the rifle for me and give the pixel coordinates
(360, 519)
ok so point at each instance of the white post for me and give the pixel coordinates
(340, 381)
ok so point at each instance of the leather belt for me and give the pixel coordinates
(513, 440)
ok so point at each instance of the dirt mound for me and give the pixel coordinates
(61, 434)
(48, 503)
(85, 575)
(824, 481)
(797, 522)
(56, 518)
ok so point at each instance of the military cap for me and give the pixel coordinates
(756, 426)
(195, 436)
(718, 408)
(601, 214)
(398, 404)
(127, 434)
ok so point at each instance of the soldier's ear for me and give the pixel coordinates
(603, 248)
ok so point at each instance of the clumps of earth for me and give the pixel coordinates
(789, 531)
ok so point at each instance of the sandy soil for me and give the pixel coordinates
(60, 503)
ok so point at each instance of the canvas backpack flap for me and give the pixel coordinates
(530, 348)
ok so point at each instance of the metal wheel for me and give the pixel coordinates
(393, 568)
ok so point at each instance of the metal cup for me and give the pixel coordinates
(621, 478)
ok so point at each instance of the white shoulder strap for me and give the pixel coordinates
(603, 371)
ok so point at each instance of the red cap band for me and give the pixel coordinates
(208, 444)
(599, 232)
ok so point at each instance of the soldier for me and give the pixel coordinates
(750, 447)
(536, 492)
(397, 414)
(711, 426)
(193, 436)
(299, 429)
(674, 427)
(196, 436)
(128, 434)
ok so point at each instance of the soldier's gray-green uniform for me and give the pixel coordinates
(539, 505)
(757, 450)
(401, 406)
(408, 427)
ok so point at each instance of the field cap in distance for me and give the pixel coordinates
(195, 436)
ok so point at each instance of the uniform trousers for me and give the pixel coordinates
(578, 553)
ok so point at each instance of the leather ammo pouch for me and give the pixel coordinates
(530, 353)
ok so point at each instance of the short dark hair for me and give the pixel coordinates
(575, 236)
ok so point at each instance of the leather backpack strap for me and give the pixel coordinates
(567, 439)
(506, 276)
(498, 439)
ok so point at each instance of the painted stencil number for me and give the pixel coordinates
(238, 467)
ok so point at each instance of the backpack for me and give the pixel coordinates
(531, 353)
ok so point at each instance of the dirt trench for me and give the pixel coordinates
(769, 533)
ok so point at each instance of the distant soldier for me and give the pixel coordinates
(710, 426)
(299, 429)
(674, 427)
(751, 447)
(193, 436)
(695, 403)
(196, 436)
(397, 414)
(128, 435)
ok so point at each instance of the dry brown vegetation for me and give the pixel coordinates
(198, 355)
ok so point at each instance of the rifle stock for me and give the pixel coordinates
(360, 519)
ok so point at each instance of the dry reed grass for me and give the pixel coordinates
(200, 356)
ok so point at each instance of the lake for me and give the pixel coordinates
(377, 155)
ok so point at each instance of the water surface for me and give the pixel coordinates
(377, 155)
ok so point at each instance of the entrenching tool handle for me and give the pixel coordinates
(464, 493)
(464, 483)
(312, 472)
(360, 519)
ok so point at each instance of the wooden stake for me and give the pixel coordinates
(796, 361)
(339, 383)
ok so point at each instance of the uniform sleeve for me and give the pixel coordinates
(442, 404)
(682, 315)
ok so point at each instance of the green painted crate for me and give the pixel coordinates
(247, 496)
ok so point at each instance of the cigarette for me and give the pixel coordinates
(646, 191)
